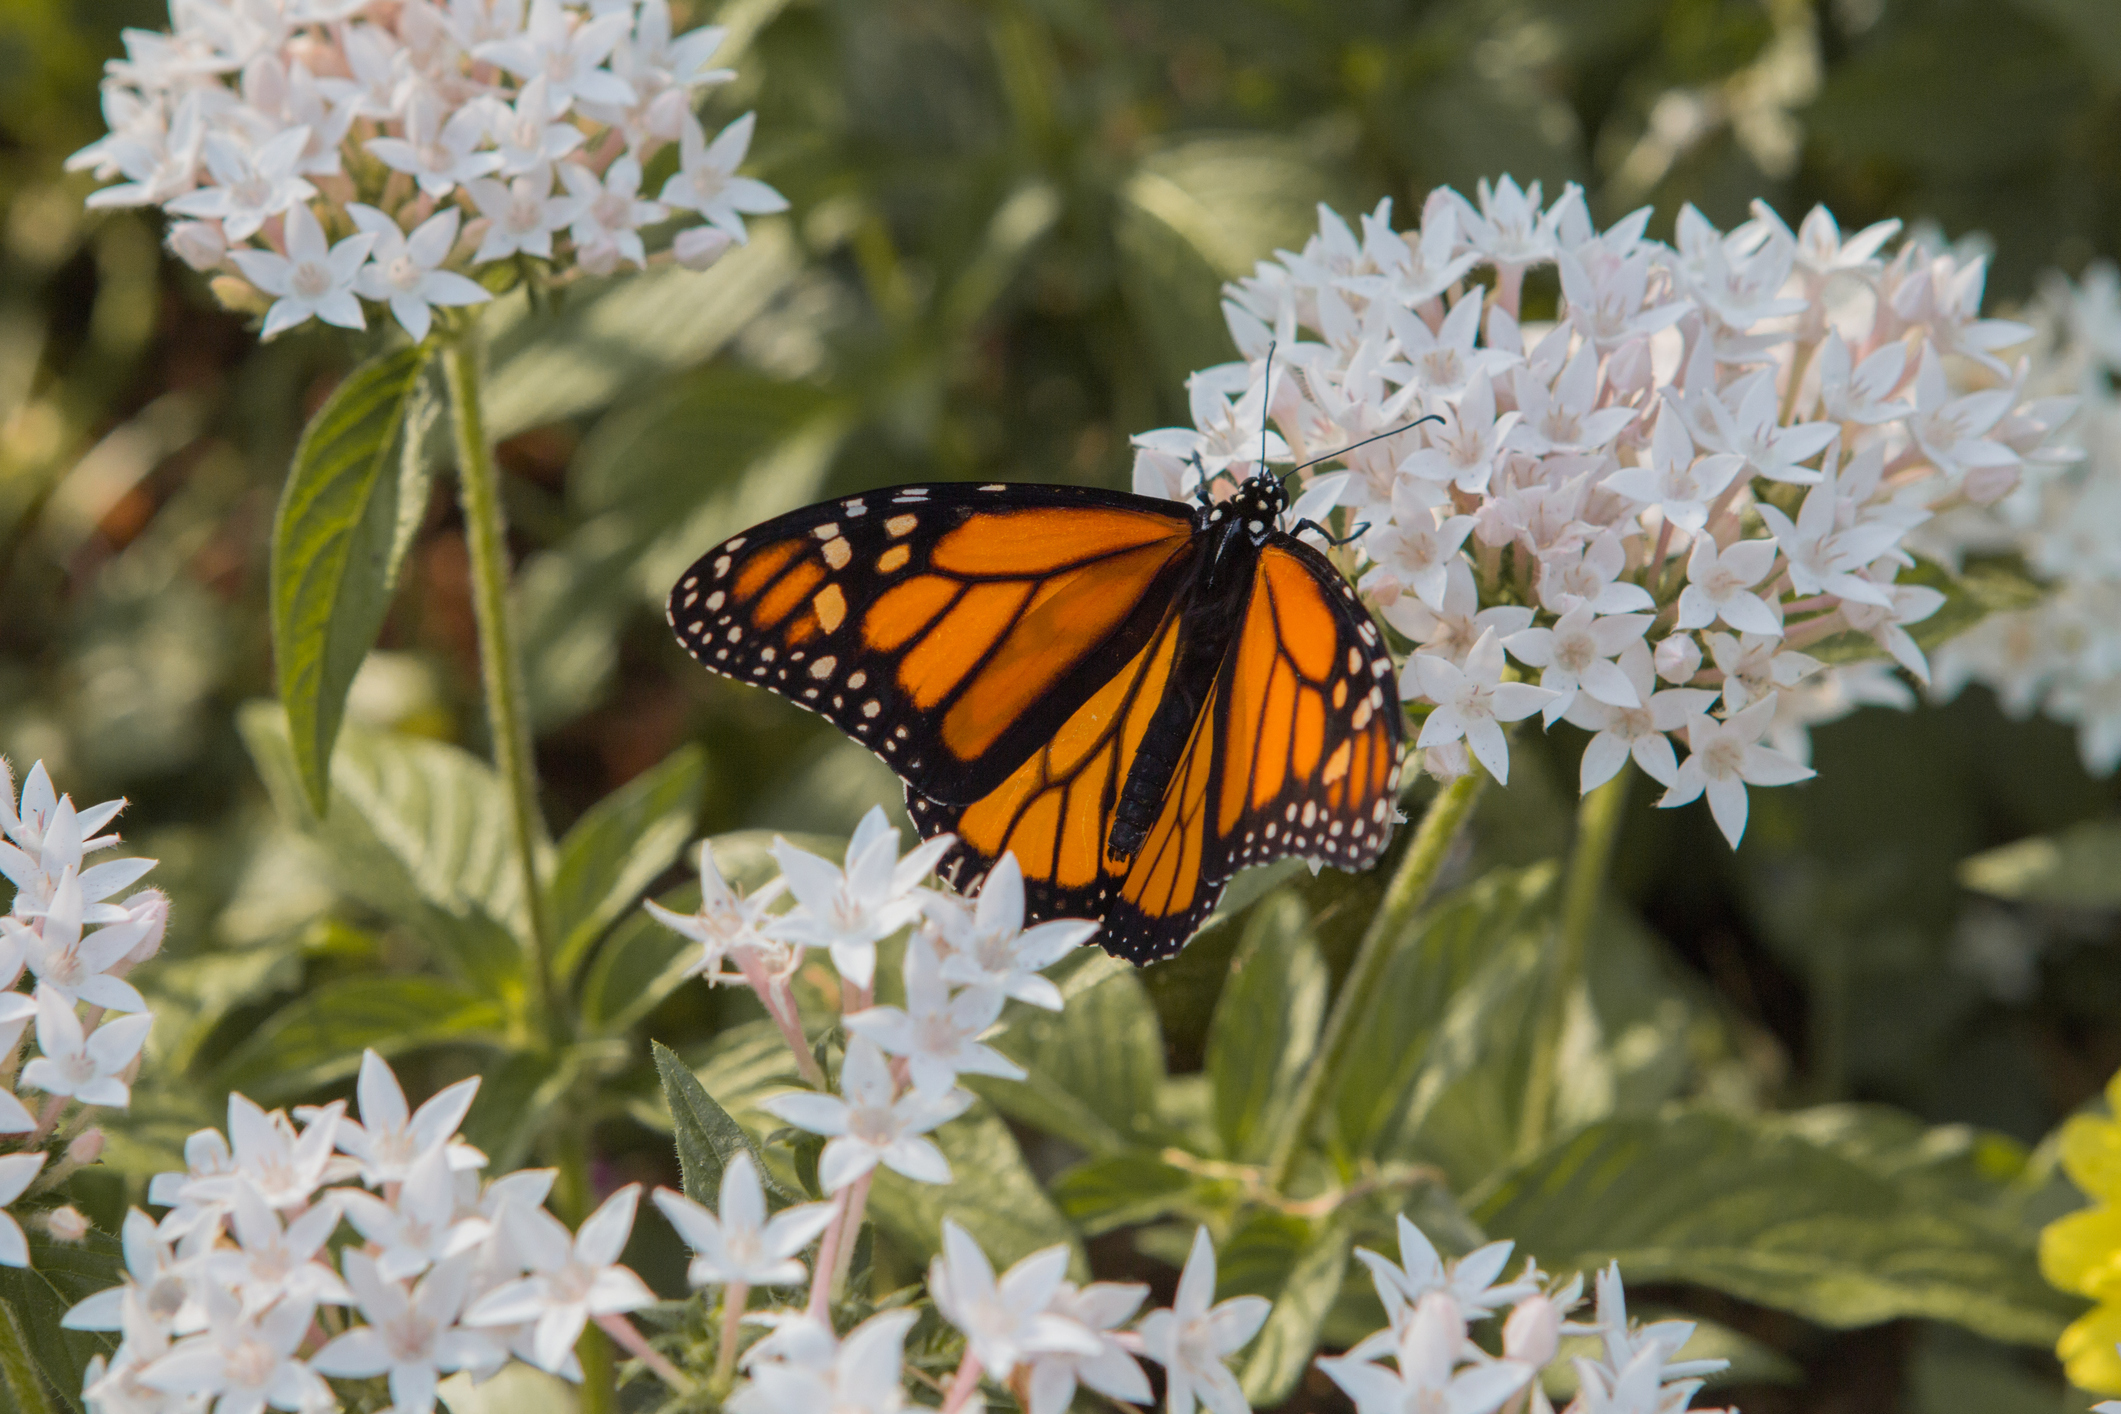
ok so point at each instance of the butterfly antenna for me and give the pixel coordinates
(1266, 399)
(1329, 456)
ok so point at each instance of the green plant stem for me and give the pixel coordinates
(500, 662)
(1409, 888)
(572, 1195)
(1598, 819)
(18, 1371)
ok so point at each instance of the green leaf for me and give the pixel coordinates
(1752, 1207)
(1981, 588)
(1093, 1067)
(2078, 868)
(707, 1137)
(516, 1097)
(639, 965)
(999, 1202)
(418, 830)
(319, 1037)
(1285, 1343)
(604, 338)
(60, 1274)
(353, 498)
(1120, 1190)
(618, 847)
(1265, 1026)
(1449, 942)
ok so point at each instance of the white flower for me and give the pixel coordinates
(1577, 653)
(1589, 575)
(1862, 393)
(1472, 702)
(521, 215)
(88, 1068)
(197, 1197)
(706, 179)
(273, 1263)
(869, 1127)
(1508, 226)
(985, 945)
(850, 911)
(571, 1281)
(566, 51)
(154, 1277)
(1428, 1378)
(421, 1227)
(72, 963)
(1824, 556)
(936, 1032)
(1755, 665)
(241, 1363)
(1451, 631)
(1723, 759)
(699, 247)
(1442, 362)
(412, 1337)
(1742, 420)
(1192, 1339)
(527, 134)
(858, 1375)
(16, 1171)
(440, 150)
(1465, 450)
(1949, 429)
(609, 213)
(403, 270)
(388, 1140)
(1565, 417)
(725, 922)
(1415, 548)
(1470, 1282)
(1006, 1323)
(1906, 604)
(1621, 732)
(740, 1245)
(1100, 1309)
(1627, 1345)
(251, 186)
(1717, 585)
(310, 281)
(284, 1167)
(1680, 484)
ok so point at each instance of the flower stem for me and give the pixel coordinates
(734, 1297)
(963, 1385)
(500, 661)
(600, 1374)
(1410, 884)
(1597, 829)
(856, 1207)
(828, 1259)
(623, 1333)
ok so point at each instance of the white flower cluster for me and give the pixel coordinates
(1712, 459)
(965, 960)
(1431, 1305)
(76, 946)
(225, 1297)
(327, 152)
(2061, 657)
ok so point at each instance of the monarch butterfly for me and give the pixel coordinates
(1138, 697)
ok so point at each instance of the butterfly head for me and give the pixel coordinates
(1256, 506)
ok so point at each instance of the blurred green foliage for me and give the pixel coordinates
(1010, 220)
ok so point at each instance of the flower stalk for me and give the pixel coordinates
(1597, 830)
(1409, 887)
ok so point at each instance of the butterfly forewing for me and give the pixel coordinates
(949, 628)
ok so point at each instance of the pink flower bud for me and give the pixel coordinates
(1986, 485)
(1533, 1332)
(67, 1224)
(698, 247)
(150, 909)
(1628, 371)
(86, 1148)
(198, 244)
(1678, 658)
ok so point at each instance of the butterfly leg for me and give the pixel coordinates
(1335, 541)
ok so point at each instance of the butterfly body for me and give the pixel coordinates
(1137, 697)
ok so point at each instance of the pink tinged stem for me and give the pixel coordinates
(635, 1344)
(1812, 605)
(1509, 284)
(734, 1296)
(963, 1385)
(853, 998)
(773, 996)
(46, 1119)
(1812, 630)
(828, 1257)
(844, 1261)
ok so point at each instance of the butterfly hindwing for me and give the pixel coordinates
(949, 628)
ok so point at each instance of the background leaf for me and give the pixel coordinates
(59, 1275)
(1751, 1207)
(1006, 1209)
(707, 1137)
(1266, 1026)
(2078, 868)
(1283, 1349)
(618, 847)
(354, 496)
(320, 1037)
(1093, 1067)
